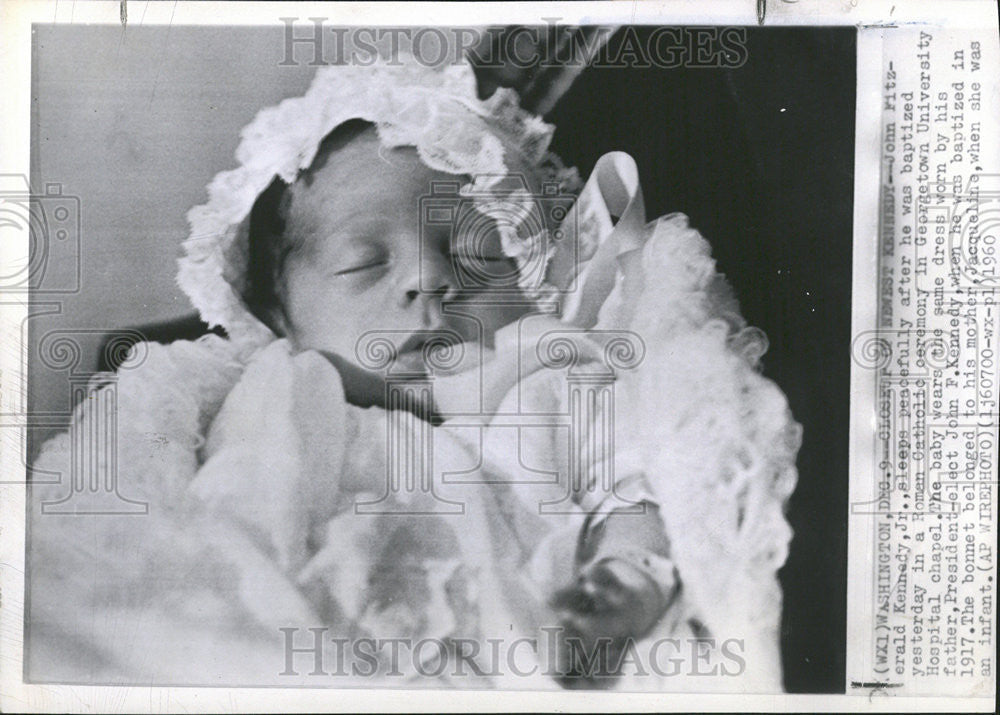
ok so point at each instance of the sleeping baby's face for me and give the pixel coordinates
(362, 261)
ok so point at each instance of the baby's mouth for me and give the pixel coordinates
(412, 362)
(420, 353)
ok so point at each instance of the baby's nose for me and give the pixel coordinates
(427, 304)
(440, 292)
(432, 282)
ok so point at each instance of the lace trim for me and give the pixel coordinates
(435, 110)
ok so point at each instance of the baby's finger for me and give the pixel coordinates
(618, 574)
(591, 610)
(608, 592)
(591, 626)
(575, 600)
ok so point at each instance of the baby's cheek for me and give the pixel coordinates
(327, 330)
(323, 316)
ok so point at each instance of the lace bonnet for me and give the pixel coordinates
(434, 109)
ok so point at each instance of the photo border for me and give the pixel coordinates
(16, 18)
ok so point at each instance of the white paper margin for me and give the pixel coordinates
(16, 17)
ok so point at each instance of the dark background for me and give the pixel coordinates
(761, 158)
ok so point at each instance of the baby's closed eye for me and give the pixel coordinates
(365, 255)
(362, 264)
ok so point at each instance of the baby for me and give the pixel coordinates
(280, 467)
(342, 251)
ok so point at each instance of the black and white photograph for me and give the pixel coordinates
(490, 355)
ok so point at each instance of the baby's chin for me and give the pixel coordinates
(438, 360)
(413, 364)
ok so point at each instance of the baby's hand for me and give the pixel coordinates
(621, 591)
(611, 598)
(610, 603)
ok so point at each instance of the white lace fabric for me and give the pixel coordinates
(714, 438)
(435, 110)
